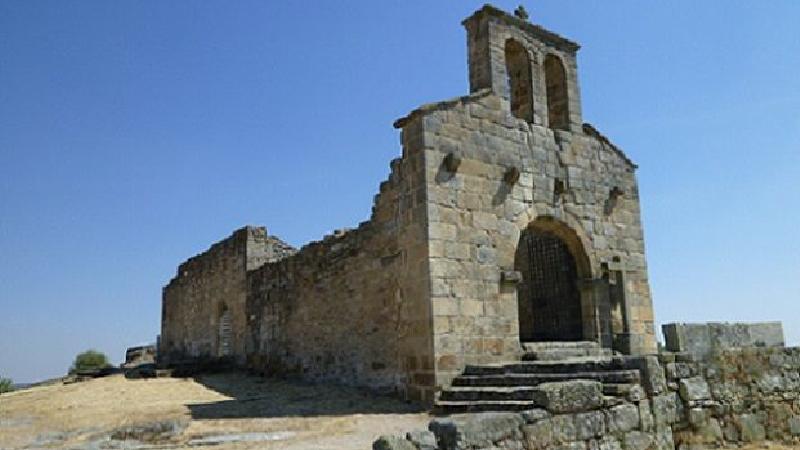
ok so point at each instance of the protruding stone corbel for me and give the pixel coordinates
(511, 176)
(451, 162)
(511, 276)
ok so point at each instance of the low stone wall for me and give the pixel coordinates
(719, 396)
(703, 339)
(574, 415)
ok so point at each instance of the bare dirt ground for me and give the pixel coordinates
(225, 411)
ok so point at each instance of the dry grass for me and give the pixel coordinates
(318, 417)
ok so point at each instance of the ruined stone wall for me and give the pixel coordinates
(728, 398)
(477, 215)
(205, 285)
(354, 308)
(733, 383)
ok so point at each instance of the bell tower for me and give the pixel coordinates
(533, 68)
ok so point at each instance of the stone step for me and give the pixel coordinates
(467, 406)
(534, 379)
(584, 364)
(492, 393)
(555, 351)
(533, 346)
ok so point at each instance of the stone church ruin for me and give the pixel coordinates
(502, 269)
(506, 220)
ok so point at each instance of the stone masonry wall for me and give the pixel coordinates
(204, 285)
(735, 383)
(491, 175)
(354, 308)
(476, 218)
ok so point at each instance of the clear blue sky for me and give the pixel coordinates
(134, 134)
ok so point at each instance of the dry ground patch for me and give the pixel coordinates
(277, 414)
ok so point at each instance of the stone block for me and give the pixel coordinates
(605, 443)
(476, 430)
(392, 443)
(694, 389)
(698, 417)
(622, 418)
(637, 440)
(703, 339)
(646, 420)
(665, 409)
(663, 439)
(590, 425)
(794, 426)
(538, 435)
(422, 439)
(535, 415)
(676, 371)
(710, 432)
(569, 396)
(750, 429)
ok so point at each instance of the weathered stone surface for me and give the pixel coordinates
(590, 425)
(750, 429)
(392, 443)
(605, 443)
(646, 420)
(422, 439)
(477, 430)
(535, 415)
(623, 418)
(703, 339)
(665, 409)
(637, 440)
(569, 396)
(559, 430)
(698, 417)
(663, 438)
(694, 389)
(680, 370)
(794, 426)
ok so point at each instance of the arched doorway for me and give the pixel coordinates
(551, 260)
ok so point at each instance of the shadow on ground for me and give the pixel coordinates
(256, 397)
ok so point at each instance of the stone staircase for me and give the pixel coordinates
(557, 351)
(515, 386)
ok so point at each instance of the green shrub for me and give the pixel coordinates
(6, 385)
(89, 360)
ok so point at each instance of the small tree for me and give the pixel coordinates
(6, 385)
(89, 360)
